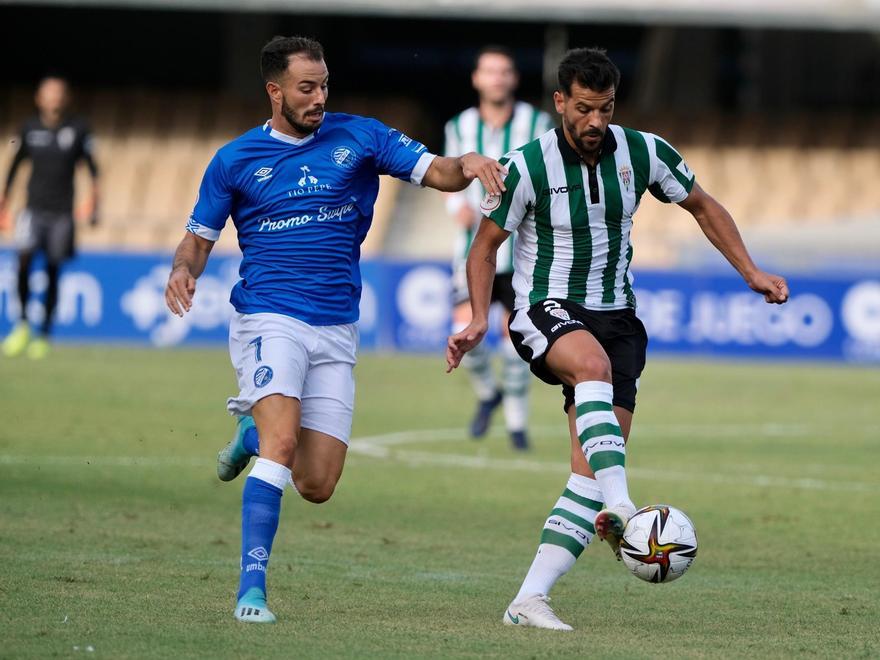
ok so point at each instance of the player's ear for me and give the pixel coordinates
(559, 102)
(274, 91)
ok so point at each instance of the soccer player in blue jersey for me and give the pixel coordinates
(300, 190)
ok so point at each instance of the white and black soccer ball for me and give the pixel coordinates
(659, 543)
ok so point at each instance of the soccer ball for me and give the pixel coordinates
(659, 543)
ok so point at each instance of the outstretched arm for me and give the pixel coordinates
(480, 274)
(720, 229)
(450, 174)
(189, 262)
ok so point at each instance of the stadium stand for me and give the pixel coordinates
(768, 171)
(153, 148)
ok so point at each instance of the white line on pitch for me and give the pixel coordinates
(380, 446)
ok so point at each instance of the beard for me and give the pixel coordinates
(298, 123)
(578, 139)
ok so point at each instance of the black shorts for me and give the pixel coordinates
(502, 292)
(620, 332)
(53, 233)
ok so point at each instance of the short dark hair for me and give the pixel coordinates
(494, 49)
(275, 55)
(590, 67)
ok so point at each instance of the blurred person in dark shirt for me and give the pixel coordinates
(54, 142)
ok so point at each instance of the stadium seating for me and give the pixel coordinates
(153, 148)
(768, 171)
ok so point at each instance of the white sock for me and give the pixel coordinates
(479, 365)
(568, 530)
(602, 440)
(515, 382)
(271, 472)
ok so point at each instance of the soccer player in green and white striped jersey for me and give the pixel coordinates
(570, 197)
(496, 125)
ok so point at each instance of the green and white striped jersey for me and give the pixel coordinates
(573, 221)
(467, 132)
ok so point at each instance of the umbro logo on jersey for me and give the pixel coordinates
(263, 174)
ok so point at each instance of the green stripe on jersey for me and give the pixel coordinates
(572, 518)
(672, 159)
(627, 286)
(581, 240)
(534, 157)
(563, 541)
(580, 499)
(641, 160)
(613, 217)
(511, 181)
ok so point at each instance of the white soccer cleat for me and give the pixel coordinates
(611, 523)
(534, 611)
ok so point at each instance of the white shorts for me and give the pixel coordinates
(277, 354)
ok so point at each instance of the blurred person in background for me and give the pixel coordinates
(55, 142)
(496, 125)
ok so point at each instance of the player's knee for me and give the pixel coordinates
(316, 491)
(592, 367)
(278, 446)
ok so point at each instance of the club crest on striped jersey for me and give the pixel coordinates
(490, 203)
(625, 173)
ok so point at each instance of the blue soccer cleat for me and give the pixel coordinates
(251, 608)
(234, 457)
(483, 416)
(519, 440)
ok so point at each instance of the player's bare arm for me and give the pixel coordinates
(719, 227)
(480, 275)
(189, 263)
(449, 174)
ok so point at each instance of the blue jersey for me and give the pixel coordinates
(302, 208)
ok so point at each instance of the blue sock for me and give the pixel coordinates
(260, 509)
(251, 441)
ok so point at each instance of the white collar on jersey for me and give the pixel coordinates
(278, 135)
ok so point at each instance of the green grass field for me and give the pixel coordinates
(115, 534)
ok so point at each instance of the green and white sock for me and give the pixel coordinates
(478, 362)
(602, 440)
(515, 383)
(568, 530)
